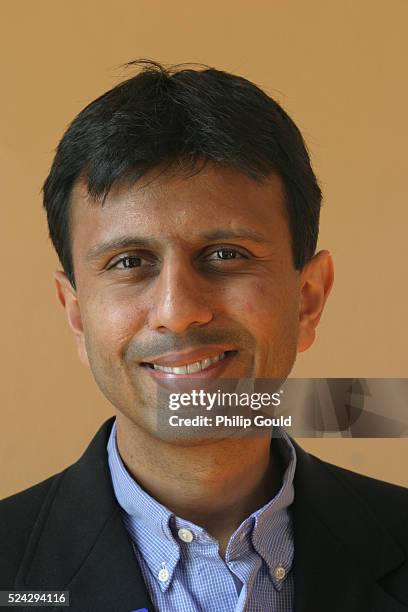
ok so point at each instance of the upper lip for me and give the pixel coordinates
(173, 360)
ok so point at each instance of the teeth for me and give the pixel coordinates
(194, 367)
(191, 368)
(205, 363)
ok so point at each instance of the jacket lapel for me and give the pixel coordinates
(79, 543)
(341, 550)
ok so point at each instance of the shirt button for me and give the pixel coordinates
(185, 535)
(280, 572)
(164, 575)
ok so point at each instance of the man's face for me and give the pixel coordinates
(178, 273)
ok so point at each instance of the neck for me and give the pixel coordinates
(215, 485)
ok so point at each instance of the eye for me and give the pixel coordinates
(226, 254)
(127, 262)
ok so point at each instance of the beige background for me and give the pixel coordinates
(339, 68)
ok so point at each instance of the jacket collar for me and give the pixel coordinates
(79, 542)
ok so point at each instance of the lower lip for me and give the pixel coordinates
(213, 371)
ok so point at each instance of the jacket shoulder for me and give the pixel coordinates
(389, 502)
(18, 515)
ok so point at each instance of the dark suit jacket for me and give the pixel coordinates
(66, 533)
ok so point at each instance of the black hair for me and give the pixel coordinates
(178, 116)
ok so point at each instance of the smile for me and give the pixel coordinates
(190, 368)
(203, 362)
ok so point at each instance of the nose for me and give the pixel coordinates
(180, 299)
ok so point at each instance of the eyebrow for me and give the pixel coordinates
(240, 233)
(115, 244)
(126, 242)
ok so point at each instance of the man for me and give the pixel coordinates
(185, 212)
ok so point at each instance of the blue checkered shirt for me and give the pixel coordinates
(179, 560)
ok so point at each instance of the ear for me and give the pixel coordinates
(316, 281)
(69, 300)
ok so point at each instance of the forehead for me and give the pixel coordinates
(180, 207)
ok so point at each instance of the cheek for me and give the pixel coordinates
(272, 316)
(261, 302)
(248, 308)
(110, 327)
(112, 323)
(270, 312)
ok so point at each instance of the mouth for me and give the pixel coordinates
(199, 367)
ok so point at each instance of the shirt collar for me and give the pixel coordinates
(268, 529)
(146, 519)
(272, 534)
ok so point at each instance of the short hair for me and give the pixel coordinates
(168, 116)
